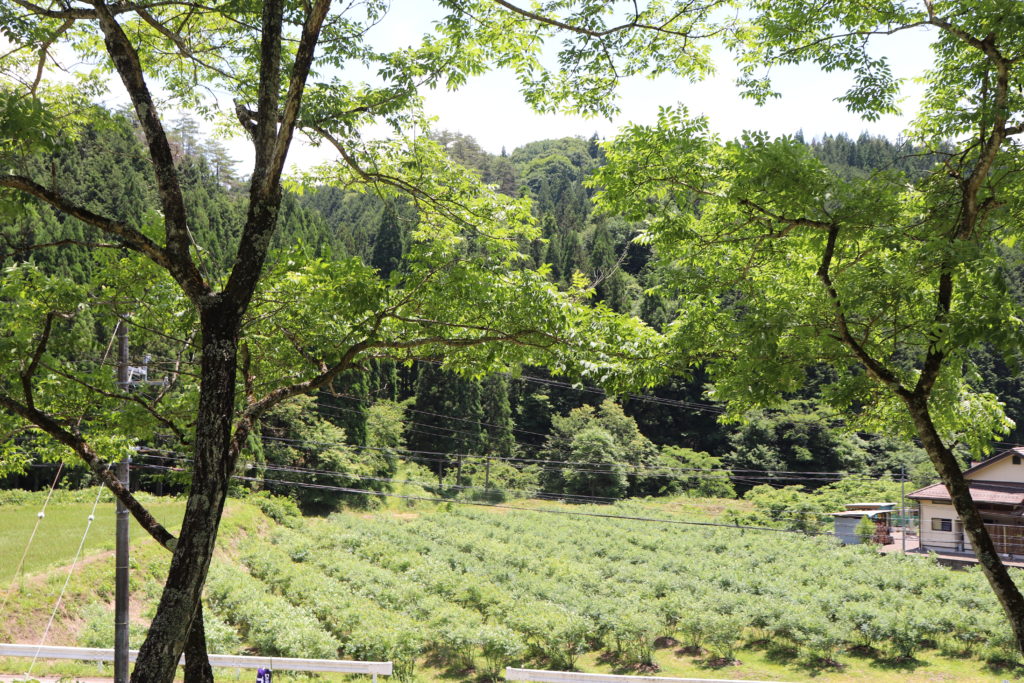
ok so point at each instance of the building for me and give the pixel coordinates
(997, 487)
(879, 513)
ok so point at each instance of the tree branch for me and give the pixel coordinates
(257, 408)
(132, 237)
(28, 372)
(297, 83)
(44, 52)
(183, 49)
(970, 208)
(271, 142)
(591, 33)
(179, 261)
(76, 443)
(81, 13)
(64, 243)
(125, 397)
(789, 222)
(874, 367)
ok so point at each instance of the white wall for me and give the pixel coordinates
(940, 540)
(1004, 470)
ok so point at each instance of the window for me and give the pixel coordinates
(939, 524)
(1015, 459)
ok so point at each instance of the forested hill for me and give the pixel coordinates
(496, 431)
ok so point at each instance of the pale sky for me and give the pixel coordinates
(491, 109)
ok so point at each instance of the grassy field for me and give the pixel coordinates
(60, 533)
(86, 615)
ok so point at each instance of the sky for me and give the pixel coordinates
(490, 108)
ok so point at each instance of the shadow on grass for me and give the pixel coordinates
(710, 663)
(789, 656)
(447, 670)
(904, 664)
(780, 653)
(1005, 669)
(624, 666)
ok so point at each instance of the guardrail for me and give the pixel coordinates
(96, 654)
(540, 676)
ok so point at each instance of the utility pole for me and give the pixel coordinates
(903, 508)
(122, 529)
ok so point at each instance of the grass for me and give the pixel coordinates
(60, 533)
(766, 664)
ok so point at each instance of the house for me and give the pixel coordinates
(997, 487)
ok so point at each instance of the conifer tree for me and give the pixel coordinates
(345, 404)
(605, 271)
(448, 416)
(390, 243)
(497, 416)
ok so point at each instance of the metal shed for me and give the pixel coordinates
(846, 522)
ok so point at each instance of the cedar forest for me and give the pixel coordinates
(420, 410)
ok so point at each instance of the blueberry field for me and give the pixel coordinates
(458, 593)
(469, 591)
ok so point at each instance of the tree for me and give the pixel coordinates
(296, 436)
(622, 456)
(448, 418)
(694, 472)
(804, 436)
(278, 326)
(597, 467)
(865, 530)
(889, 280)
(389, 245)
(499, 439)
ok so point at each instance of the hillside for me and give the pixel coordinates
(434, 411)
(458, 592)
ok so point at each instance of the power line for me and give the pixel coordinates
(74, 563)
(577, 513)
(427, 412)
(648, 398)
(35, 528)
(336, 409)
(793, 513)
(448, 457)
(568, 497)
(645, 398)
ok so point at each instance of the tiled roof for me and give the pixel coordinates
(981, 491)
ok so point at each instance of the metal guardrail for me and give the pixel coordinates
(95, 654)
(539, 676)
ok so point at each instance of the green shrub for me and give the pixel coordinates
(279, 508)
(501, 646)
(722, 632)
(865, 530)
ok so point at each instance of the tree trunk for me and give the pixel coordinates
(992, 566)
(197, 663)
(212, 469)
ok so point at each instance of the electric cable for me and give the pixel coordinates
(448, 457)
(39, 518)
(786, 513)
(60, 598)
(577, 513)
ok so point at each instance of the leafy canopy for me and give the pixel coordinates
(745, 225)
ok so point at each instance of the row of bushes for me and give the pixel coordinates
(464, 587)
